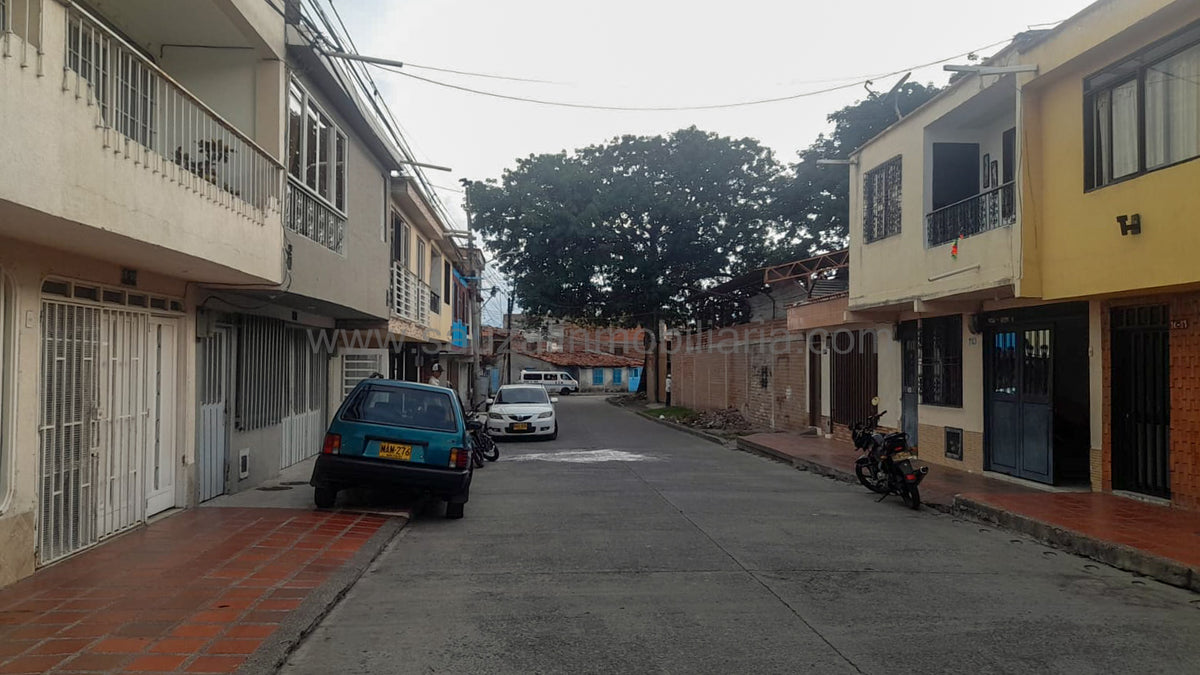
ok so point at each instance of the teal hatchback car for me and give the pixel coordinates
(390, 434)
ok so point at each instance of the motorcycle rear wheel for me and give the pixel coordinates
(488, 448)
(911, 495)
(866, 476)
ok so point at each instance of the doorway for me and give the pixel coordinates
(1036, 394)
(212, 450)
(1141, 400)
(910, 345)
(814, 381)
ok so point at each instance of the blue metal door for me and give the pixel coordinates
(1020, 380)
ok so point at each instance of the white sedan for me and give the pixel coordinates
(522, 410)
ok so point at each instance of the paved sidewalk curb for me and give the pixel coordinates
(819, 469)
(645, 414)
(1116, 555)
(270, 657)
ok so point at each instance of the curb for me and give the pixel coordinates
(711, 438)
(645, 414)
(270, 657)
(1115, 555)
(817, 468)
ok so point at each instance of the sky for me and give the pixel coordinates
(653, 53)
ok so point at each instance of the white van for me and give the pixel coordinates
(553, 380)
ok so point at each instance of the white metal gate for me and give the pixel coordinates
(160, 447)
(70, 347)
(107, 423)
(212, 453)
(307, 375)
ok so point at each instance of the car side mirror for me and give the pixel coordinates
(472, 425)
(554, 399)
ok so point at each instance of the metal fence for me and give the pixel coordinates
(151, 119)
(21, 31)
(985, 211)
(308, 216)
(410, 296)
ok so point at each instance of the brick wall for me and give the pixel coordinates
(728, 368)
(933, 448)
(1185, 397)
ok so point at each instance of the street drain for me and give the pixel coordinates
(273, 488)
(294, 482)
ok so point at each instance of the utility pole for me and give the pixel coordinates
(512, 296)
(474, 287)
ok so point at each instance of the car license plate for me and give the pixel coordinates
(901, 456)
(395, 451)
(521, 426)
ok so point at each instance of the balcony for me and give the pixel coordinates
(116, 155)
(410, 296)
(150, 119)
(309, 216)
(985, 211)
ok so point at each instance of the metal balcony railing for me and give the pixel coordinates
(985, 211)
(154, 121)
(311, 217)
(21, 20)
(410, 296)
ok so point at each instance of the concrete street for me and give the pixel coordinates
(675, 555)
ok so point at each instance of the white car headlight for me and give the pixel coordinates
(495, 416)
(548, 413)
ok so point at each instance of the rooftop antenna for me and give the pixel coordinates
(895, 93)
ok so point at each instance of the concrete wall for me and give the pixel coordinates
(97, 201)
(24, 267)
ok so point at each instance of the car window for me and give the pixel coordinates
(531, 376)
(402, 407)
(522, 395)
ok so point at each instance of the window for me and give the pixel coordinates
(522, 395)
(446, 281)
(358, 366)
(402, 407)
(420, 259)
(616, 376)
(339, 171)
(317, 148)
(282, 371)
(597, 376)
(1143, 113)
(881, 201)
(941, 361)
(435, 283)
(531, 377)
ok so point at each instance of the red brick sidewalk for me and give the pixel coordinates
(1158, 541)
(197, 592)
(837, 458)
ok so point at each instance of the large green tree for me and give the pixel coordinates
(820, 195)
(626, 232)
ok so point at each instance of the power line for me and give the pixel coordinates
(681, 108)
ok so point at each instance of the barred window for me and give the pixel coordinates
(941, 361)
(282, 371)
(881, 200)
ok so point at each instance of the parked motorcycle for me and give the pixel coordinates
(887, 466)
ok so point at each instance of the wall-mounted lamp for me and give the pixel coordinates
(975, 324)
(1130, 224)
